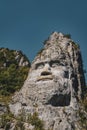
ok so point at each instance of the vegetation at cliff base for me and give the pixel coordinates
(20, 121)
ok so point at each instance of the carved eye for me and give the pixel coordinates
(62, 64)
(39, 66)
(54, 64)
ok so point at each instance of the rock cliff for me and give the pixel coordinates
(54, 87)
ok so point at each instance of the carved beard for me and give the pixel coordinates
(54, 92)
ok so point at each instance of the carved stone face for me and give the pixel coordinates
(49, 70)
(51, 78)
(55, 80)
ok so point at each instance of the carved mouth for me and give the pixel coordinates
(50, 77)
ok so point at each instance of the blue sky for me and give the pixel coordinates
(25, 24)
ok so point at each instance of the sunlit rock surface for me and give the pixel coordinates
(54, 85)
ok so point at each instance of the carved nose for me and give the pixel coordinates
(44, 73)
(46, 70)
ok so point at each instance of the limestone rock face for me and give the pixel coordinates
(54, 85)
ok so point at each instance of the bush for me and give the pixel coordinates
(67, 36)
(12, 79)
(35, 121)
(12, 76)
(6, 119)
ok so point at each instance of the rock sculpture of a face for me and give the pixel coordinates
(55, 82)
(50, 75)
(54, 73)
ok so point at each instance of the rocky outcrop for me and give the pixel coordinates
(14, 66)
(54, 86)
(8, 57)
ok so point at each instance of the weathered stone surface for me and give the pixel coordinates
(3, 108)
(54, 85)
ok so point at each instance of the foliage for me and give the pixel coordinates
(20, 120)
(32, 119)
(45, 41)
(6, 119)
(41, 50)
(5, 99)
(84, 102)
(12, 76)
(83, 113)
(76, 45)
(83, 120)
(11, 79)
(19, 125)
(67, 35)
(35, 121)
